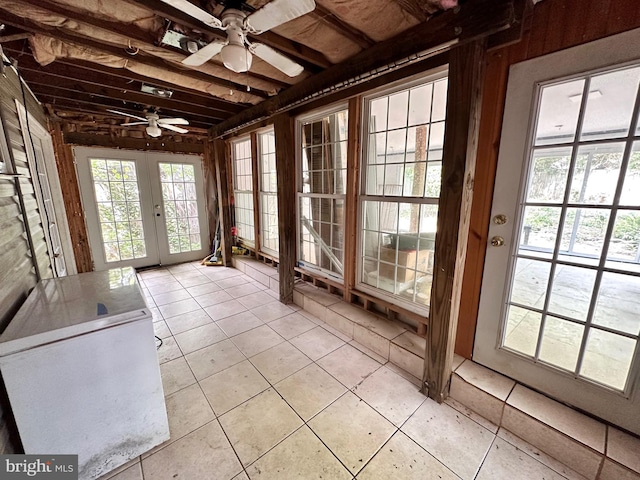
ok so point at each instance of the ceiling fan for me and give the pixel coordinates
(236, 51)
(155, 123)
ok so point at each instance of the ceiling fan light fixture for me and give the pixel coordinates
(236, 58)
(154, 131)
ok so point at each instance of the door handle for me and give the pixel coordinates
(497, 241)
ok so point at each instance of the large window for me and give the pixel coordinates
(268, 192)
(321, 199)
(400, 189)
(243, 189)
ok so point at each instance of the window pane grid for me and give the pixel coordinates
(119, 211)
(269, 240)
(243, 189)
(578, 253)
(180, 207)
(401, 189)
(321, 201)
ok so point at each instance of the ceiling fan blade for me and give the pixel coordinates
(132, 124)
(282, 63)
(204, 54)
(190, 9)
(173, 129)
(173, 121)
(278, 12)
(127, 115)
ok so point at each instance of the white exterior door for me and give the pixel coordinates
(41, 158)
(560, 303)
(142, 209)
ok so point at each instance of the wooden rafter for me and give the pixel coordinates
(102, 48)
(342, 27)
(109, 99)
(40, 80)
(422, 10)
(119, 78)
(310, 59)
(471, 21)
(143, 38)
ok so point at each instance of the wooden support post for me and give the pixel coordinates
(464, 99)
(224, 198)
(210, 189)
(72, 201)
(351, 201)
(255, 171)
(286, 176)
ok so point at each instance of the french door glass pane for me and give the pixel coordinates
(180, 207)
(119, 211)
(575, 286)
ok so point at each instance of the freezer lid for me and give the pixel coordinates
(60, 308)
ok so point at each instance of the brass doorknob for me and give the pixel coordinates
(497, 241)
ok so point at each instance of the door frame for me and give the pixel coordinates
(524, 81)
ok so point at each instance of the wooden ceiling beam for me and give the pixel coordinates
(119, 52)
(132, 96)
(88, 104)
(114, 77)
(420, 9)
(343, 28)
(92, 140)
(310, 59)
(142, 37)
(471, 21)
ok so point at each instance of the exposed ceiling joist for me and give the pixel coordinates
(119, 78)
(142, 38)
(469, 22)
(60, 98)
(105, 49)
(38, 79)
(307, 57)
(341, 27)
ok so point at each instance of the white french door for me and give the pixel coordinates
(560, 303)
(142, 208)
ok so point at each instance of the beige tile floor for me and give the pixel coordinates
(259, 390)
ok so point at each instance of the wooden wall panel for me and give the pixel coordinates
(554, 25)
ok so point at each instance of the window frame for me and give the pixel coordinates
(299, 122)
(234, 142)
(261, 193)
(432, 75)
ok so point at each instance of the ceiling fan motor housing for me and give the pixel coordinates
(235, 55)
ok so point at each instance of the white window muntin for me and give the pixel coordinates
(302, 196)
(403, 85)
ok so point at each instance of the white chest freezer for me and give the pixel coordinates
(80, 366)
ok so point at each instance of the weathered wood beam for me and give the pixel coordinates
(119, 78)
(283, 127)
(44, 83)
(343, 28)
(471, 21)
(77, 101)
(103, 48)
(352, 191)
(310, 59)
(420, 9)
(221, 156)
(464, 102)
(14, 37)
(210, 188)
(142, 38)
(92, 140)
(72, 201)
